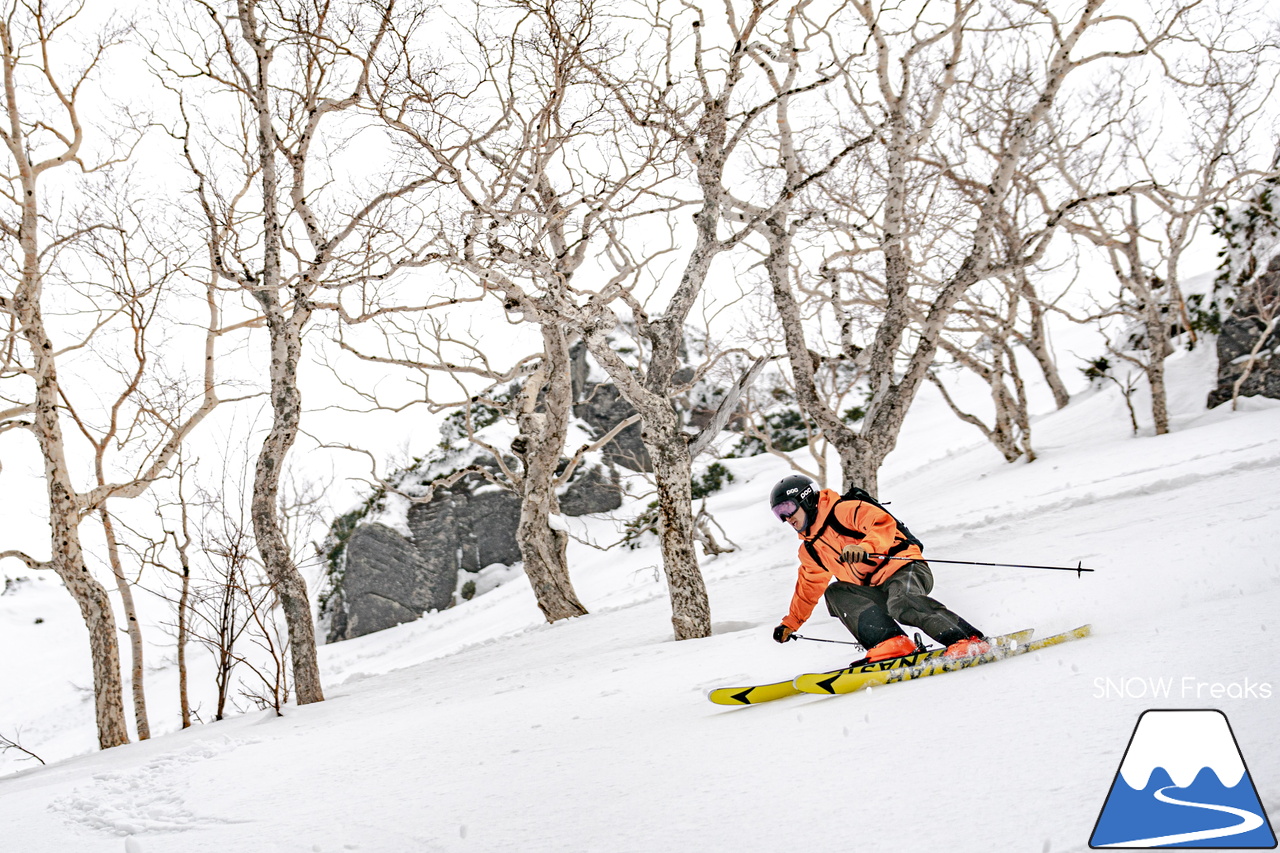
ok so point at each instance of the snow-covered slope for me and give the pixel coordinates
(482, 728)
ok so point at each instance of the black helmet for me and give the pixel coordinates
(792, 493)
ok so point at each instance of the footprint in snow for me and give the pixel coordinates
(141, 800)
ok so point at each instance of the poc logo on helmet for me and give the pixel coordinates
(800, 491)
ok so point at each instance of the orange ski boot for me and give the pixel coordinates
(967, 648)
(894, 647)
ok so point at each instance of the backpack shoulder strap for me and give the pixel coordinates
(840, 526)
(830, 521)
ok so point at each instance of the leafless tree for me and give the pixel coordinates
(547, 186)
(50, 265)
(771, 421)
(988, 331)
(946, 114)
(36, 144)
(219, 607)
(1143, 296)
(225, 601)
(137, 276)
(233, 608)
(1034, 335)
(995, 319)
(990, 324)
(1191, 155)
(539, 403)
(279, 226)
(171, 553)
(688, 87)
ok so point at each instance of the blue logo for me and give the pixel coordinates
(1183, 783)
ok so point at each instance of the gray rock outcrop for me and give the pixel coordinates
(387, 581)
(383, 579)
(1239, 336)
(379, 578)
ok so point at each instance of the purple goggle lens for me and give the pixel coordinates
(785, 510)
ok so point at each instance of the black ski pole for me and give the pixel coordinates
(820, 640)
(1077, 568)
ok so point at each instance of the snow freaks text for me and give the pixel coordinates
(1186, 687)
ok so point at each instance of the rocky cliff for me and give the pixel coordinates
(382, 575)
(1239, 337)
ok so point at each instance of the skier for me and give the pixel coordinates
(851, 540)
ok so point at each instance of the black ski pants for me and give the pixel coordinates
(872, 613)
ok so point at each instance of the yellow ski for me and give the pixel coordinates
(752, 695)
(849, 681)
(755, 694)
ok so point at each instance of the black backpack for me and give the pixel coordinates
(855, 493)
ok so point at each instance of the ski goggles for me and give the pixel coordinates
(785, 510)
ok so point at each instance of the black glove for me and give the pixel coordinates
(782, 633)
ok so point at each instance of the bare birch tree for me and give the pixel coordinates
(535, 394)
(530, 201)
(177, 543)
(1034, 336)
(234, 607)
(988, 333)
(279, 227)
(42, 133)
(910, 247)
(550, 194)
(997, 318)
(690, 86)
(548, 191)
(138, 280)
(1217, 100)
(36, 144)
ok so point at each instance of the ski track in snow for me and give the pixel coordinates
(1031, 507)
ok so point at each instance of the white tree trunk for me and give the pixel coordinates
(544, 427)
(673, 474)
(285, 337)
(277, 559)
(64, 520)
(663, 437)
(65, 505)
(125, 590)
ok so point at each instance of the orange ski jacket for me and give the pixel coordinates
(821, 544)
